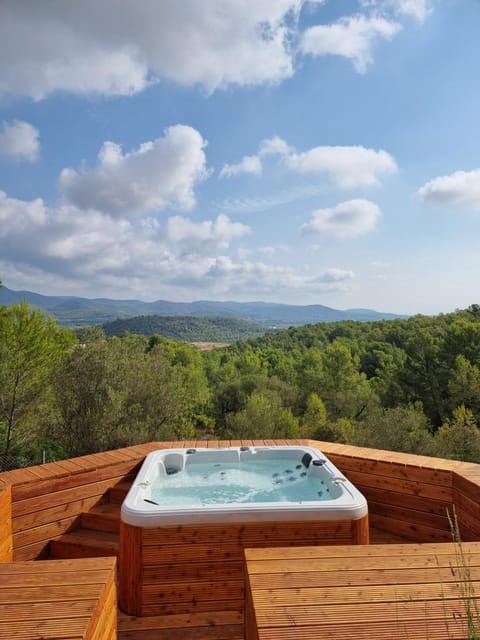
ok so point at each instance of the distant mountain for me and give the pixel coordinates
(74, 311)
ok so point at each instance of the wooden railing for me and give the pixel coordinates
(416, 497)
(48, 500)
(408, 495)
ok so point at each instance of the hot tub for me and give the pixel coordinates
(190, 513)
(240, 484)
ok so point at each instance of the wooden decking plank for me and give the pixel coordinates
(184, 620)
(51, 629)
(70, 465)
(87, 564)
(43, 471)
(349, 551)
(368, 613)
(39, 489)
(43, 532)
(47, 593)
(224, 443)
(226, 632)
(410, 529)
(415, 630)
(399, 591)
(58, 512)
(408, 501)
(107, 621)
(401, 470)
(104, 616)
(54, 578)
(397, 562)
(191, 592)
(378, 536)
(39, 600)
(189, 607)
(389, 483)
(357, 578)
(342, 595)
(423, 517)
(45, 611)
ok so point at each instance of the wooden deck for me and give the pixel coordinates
(70, 509)
(398, 592)
(61, 599)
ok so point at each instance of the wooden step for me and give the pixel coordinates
(214, 625)
(84, 543)
(102, 517)
(118, 493)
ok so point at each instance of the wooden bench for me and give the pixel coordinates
(400, 591)
(58, 599)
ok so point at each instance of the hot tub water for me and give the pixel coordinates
(252, 481)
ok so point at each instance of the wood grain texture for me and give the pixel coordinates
(198, 567)
(59, 600)
(407, 495)
(6, 541)
(338, 594)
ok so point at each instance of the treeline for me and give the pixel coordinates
(410, 385)
(187, 328)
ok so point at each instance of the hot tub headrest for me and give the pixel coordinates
(306, 459)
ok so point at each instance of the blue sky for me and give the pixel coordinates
(305, 152)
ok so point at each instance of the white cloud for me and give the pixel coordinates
(86, 250)
(459, 190)
(254, 205)
(19, 141)
(274, 146)
(271, 250)
(159, 174)
(333, 275)
(214, 43)
(347, 167)
(245, 277)
(418, 9)
(54, 46)
(347, 219)
(210, 234)
(352, 37)
(17, 215)
(248, 164)
(77, 242)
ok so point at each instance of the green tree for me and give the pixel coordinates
(459, 437)
(388, 378)
(314, 422)
(115, 392)
(263, 417)
(424, 373)
(402, 428)
(31, 346)
(464, 386)
(344, 389)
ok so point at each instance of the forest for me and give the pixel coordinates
(407, 384)
(186, 328)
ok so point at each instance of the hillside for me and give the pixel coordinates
(75, 311)
(187, 328)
